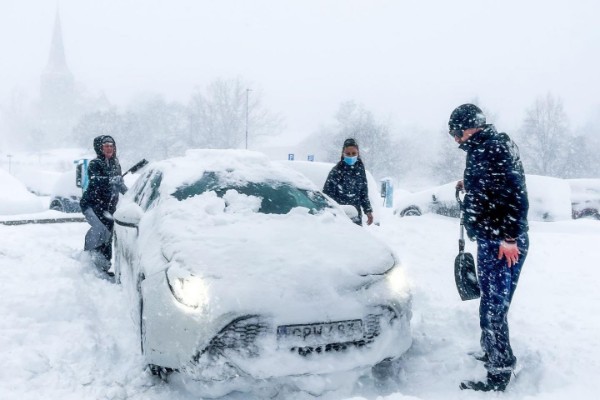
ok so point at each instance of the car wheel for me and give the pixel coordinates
(56, 205)
(411, 211)
(386, 370)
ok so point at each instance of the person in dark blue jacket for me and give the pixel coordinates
(347, 182)
(99, 201)
(495, 215)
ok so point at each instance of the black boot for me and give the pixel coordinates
(495, 382)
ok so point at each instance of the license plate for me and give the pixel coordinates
(320, 333)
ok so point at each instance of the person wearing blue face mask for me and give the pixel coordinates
(347, 182)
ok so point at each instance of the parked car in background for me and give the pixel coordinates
(15, 198)
(549, 200)
(438, 200)
(585, 197)
(317, 172)
(238, 270)
(65, 194)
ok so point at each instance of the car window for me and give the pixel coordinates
(140, 185)
(148, 192)
(276, 197)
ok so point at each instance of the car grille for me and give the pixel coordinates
(241, 334)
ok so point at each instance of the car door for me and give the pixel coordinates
(144, 193)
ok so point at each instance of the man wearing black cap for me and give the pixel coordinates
(347, 182)
(495, 214)
(99, 201)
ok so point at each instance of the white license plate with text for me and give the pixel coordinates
(320, 333)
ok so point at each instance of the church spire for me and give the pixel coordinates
(57, 62)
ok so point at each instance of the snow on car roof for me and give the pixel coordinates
(246, 165)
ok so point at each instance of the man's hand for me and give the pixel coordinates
(510, 251)
(460, 185)
(369, 218)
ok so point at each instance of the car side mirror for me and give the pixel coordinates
(350, 211)
(129, 215)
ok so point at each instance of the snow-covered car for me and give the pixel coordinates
(549, 200)
(439, 200)
(585, 197)
(317, 172)
(15, 198)
(240, 269)
(65, 194)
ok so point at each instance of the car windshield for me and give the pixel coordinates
(276, 197)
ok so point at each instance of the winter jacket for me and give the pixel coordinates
(495, 204)
(348, 185)
(102, 196)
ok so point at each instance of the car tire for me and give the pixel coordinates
(386, 370)
(412, 211)
(57, 205)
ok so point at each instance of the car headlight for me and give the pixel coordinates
(397, 281)
(188, 289)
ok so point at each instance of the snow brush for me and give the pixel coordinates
(140, 164)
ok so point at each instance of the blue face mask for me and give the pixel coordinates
(350, 160)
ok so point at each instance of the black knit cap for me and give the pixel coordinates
(350, 142)
(466, 116)
(107, 139)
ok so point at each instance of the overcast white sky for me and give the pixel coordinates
(410, 61)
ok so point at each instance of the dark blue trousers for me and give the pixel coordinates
(498, 284)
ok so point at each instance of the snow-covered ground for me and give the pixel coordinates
(66, 334)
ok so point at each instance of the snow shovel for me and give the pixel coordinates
(465, 272)
(140, 164)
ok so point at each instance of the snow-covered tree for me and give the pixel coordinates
(545, 137)
(377, 149)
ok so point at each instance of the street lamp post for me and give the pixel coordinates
(247, 95)
(9, 161)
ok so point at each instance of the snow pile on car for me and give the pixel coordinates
(549, 198)
(250, 257)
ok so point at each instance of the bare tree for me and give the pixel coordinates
(449, 164)
(218, 115)
(150, 128)
(355, 121)
(545, 137)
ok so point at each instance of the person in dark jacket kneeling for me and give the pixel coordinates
(347, 182)
(99, 201)
(495, 214)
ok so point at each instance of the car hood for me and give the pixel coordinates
(265, 262)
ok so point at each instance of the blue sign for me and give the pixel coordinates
(311, 157)
(291, 156)
(387, 192)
